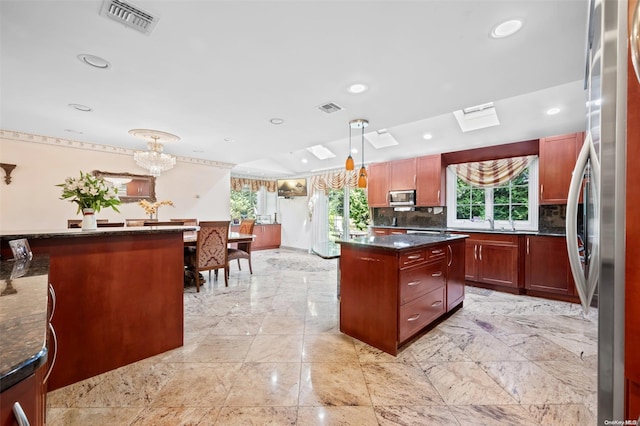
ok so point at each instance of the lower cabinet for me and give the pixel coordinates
(492, 259)
(266, 236)
(30, 393)
(547, 265)
(387, 297)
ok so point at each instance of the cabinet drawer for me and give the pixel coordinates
(411, 258)
(415, 282)
(418, 313)
(436, 253)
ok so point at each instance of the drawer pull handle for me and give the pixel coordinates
(437, 274)
(369, 259)
(414, 283)
(18, 413)
(55, 353)
(414, 257)
(436, 303)
(438, 251)
(413, 317)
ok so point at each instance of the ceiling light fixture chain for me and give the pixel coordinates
(361, 124)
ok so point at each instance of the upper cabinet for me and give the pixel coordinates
(402, 174)
(378, 183)
(430, 181)
(558, 156)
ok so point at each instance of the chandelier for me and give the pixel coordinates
(153, 159)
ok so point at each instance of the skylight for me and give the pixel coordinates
(321, 151)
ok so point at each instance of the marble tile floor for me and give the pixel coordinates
(268, 350)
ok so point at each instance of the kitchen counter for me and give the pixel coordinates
(402, 241)
(394, 286)
(23, 318)
(119, 295)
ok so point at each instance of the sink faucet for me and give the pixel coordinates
(490, 223)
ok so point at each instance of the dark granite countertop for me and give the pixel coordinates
(24, 289)
(476, 231)
(326, 250)
(402, 241)
(100, 232)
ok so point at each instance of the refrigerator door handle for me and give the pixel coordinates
(585, 285)
(634, 40)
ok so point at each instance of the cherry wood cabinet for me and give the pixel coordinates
(430, 181)
(266, 236)
(139, 188)
(387, 231)
(455, 274)
(30, 393)
(558, 156)
(402, 174)
(632, 254)
(387, 296)
(547, 265)
(378, 185)
(492, 259)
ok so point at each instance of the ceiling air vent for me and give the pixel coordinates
(330, 108)
(130, 15)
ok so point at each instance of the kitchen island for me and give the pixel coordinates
(119, 295)
(394, 286)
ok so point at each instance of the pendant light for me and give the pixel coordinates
(349, 165)
(360, 123)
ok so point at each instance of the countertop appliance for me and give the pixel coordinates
(600, 176)
(402, 198)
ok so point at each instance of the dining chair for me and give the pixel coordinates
(163, 223)
(243, 250)
(211, 250)
(110, 224)
(188, 222)
(138, 222)
(77, 223)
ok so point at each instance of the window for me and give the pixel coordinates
(512, 205)
(243, 204)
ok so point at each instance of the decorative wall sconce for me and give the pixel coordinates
(8, 168)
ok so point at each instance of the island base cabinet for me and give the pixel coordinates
(30, 393)
(455, 274)
(418, 313)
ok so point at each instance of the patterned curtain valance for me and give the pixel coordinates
(336, 180)
(238, 184)
(491, 173)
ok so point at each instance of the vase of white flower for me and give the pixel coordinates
(89, 222)
(90, 193)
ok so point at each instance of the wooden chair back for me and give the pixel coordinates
(163, 223)
(211, 248)
(110, 225)
(138, 222)
(246, 226)
(77, 223)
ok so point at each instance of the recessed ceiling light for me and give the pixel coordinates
(553, 111)
(94, 61)
(276, 121)
(427, 136)
(77, 132)
(354, 150)
(507, 28)
(304, 160)
(80, 107)
(358, 88)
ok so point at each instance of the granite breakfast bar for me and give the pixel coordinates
(119, 295)
(394, 286)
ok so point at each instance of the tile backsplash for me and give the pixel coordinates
(551, 217)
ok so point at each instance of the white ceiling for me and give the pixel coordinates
(216, 70)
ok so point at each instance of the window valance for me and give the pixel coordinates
(490, 173)
(336, 180)
(238, 184)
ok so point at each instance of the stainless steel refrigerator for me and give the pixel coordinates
(596, 206)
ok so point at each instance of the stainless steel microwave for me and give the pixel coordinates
(402, 198)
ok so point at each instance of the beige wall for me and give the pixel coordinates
(31, 201)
